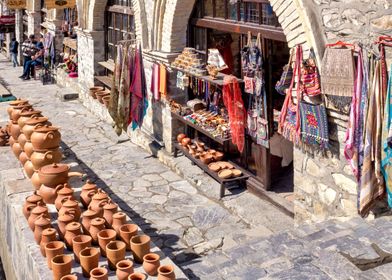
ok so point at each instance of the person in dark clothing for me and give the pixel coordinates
(36, 60)
(29, 49)
(14, 49)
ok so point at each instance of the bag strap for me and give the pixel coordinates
(258, 41)
(249, 42)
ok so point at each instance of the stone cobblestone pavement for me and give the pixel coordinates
(202, 235)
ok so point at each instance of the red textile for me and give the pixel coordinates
(232, 99)
(136, 89)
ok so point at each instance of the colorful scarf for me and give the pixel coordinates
(114, 94)
(155, 82)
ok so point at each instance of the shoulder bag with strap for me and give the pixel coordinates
(285, 80)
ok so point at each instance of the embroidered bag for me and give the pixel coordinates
(310, 77)
(249, 85)
(285, 80)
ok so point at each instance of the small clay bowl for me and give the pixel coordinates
(236, 172)
(225, 174)
(214, 167)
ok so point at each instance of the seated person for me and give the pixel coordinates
(36, 60)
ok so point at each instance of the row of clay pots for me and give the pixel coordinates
(102, 95)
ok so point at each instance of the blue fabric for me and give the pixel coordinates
(29, 66)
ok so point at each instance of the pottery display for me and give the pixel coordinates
(40, 224)
(109, 209)
(16, 149)
(88, 190)
(33, 123)
(70, 204)
(15, 103)
(45, 137)
(31, 200)
(71, 230)
(79, 243)
(96, 225)
(23, 158)
(185, 141)
(124, 268)
(137, 276)
(61, 266)
(89, 258)
(64, 191)
(126, 232)
(98, 200)
(56, 174)
(26, 115)
(93, 90)
(180, 137)
(47, 236)
(45, 157)
(87, 217)
(69, 277)
(115, 252)
(119, 219)
(140, 246)
(17, 110)
(104, 237)
(22, 140)
(101, 94)
(53, 249)
(64, 220)
(166, 272)
(99, 273)
(151, 264)
(37, 211)
(48, 194)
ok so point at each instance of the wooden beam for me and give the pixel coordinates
(120, 9)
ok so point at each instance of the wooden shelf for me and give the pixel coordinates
(107, 81)
(107, 64)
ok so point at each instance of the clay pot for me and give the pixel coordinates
(36, 212)
(56, 174)
(64, 191)
(71, 230)
(48, 194)
(218, 156)
(166, 272)
(99, 273)
(22, 140)
(33, 123)
(93, 90)
(137, 276)
(28, 149)
(140, 246)
(119, 219)
(106, 100)
(101, 94)
(180, 137)
(89, 258)
(96, 225)
(109, 209)
(17, 150)
(14, 130)
(35, 181)
(26, 115)
(40, 224)
(104, 237)
(45, 157)
(70, 204)
(15, 103)
(69, 277)
(31, 200)
(47, 236)
(45, 137)
(151, 264)
(124, 269)
(28, 167)
(115, 252)
(186, 141)
(17, 110)
(87, 217)
(206, 158)
(79, 243)
(23, 158)
(88, 190)
(127, 231)
(98, 201)
(61, 266)
(52, 249)
(63, 221)
(11, 141)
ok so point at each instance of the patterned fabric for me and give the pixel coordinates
(314, 125)
(114, 94)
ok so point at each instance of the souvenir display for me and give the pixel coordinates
(190, 61)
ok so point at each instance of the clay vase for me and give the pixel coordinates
(151, 264)
(26, 115)
(33, 123)
(69, 277)
(88, 190)
(36, 212)
(124, 269)
(22, 140)
(137, 276)
(63, 221)
(99, 273)
(15, 130)
(109, 210)
(52, 249)
(28, 149)
(166, 272)
(48, 235)
(69, 203)
(127, 231)
(115, 252)
(71, 230)
(89, 258)
(61, 266)
(63, 192)
(98, 201)
(16, 149)
(140, 246)
(87, 217)
(79, 243)
(45, 157)
(104, 237)
(28, 167)
(97, 224)
(39, 225)
(31, 200)
(119, 219)
(48, 194)
(23, 158)
(45, 137)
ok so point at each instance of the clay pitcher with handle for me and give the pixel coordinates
(49, 194)
(40, 224)
(65, 191)
(70, 204)
(45, 137)
(30, 201)
(88, 190)
(56, 174)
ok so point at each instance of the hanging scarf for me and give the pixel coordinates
(155, 81)
(124, 94)
(114, 94)
(386, 153)
(162, 80)
(237, 114)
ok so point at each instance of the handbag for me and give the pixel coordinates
(249, 85)
(285, 80)
(310, 77)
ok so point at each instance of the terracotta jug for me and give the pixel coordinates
(137, 276)
(99, 273)
(89, 258)
(65, 191)
(56, 174)
(119, 219)
(16, 149)
(48, 194)
(33, 123)
(64, 220)
(48, 235)
(98, 201)
(40, 224)
(69, 203)
(115, 252)
(88, 190)
(28, 167)
(166, 272)
(69, 277)
(104, 237)
(109, 209)
(23, 158)
(45, 157)
(140, 246)
(17, 110)
(61, 266)
(79, 243)
(26, 115)
(151, 264)
(15, 103)
(124, 269)
(87, 217)
(97, 224)
(36, 212)
(11, 141)
(22, 140)
(35, 181)
(31, 200)
(15, 130)
(127, 231)
(53, 249)
(45, 137)
(28, 149)
(28, 211)
(71, 230)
